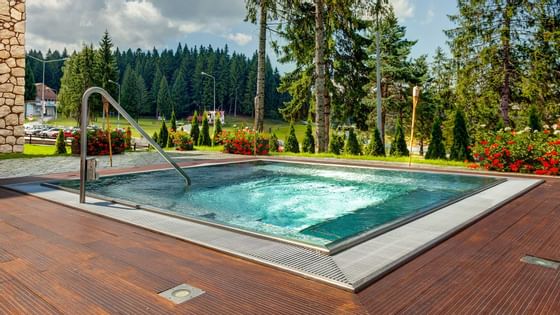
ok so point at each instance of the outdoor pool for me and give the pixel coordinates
(323, 206)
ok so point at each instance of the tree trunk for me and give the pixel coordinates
(506, 44)
(322, 132)
(259, 104)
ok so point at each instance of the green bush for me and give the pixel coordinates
(292, 144)
(60, 143)
(436, 149)
(375, 146)
(204, 137)
(273, 143)
(336, 144)
(173, 121)
(398, 146)
(534, 119)
(195, 130)
(155, 137)
(308, 140)
(461, 142)
(352, 146)
(163, 135)
(217, 130)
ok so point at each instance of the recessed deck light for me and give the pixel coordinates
(181, 293)
(538, 261)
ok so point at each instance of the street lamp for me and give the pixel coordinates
(44, 61)
(213, 78)
(118, 114)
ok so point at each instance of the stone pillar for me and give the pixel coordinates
(12, 75)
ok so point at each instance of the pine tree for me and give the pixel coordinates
(204, 138)
(273, 143)
(163, 134)
(195, 130)
(376, 146)
(352, 145)
(30, 89)
(436, 149)
(60, 143)
(155, 137)
(170, 143)
(292, 144)
(336, 143)
(308, 140)
(173, 122)
(534, 119)
(164, 100)
(129, 92)
(461, 142)
(398, 146)
(106, 65)
(217, 129)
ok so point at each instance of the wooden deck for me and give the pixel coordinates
(54, 259)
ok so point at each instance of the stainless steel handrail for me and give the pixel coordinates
(83, 138)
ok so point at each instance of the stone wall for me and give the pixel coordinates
(12, 75)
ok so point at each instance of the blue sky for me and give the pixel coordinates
(144, 24)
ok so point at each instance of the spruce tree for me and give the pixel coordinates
(352, 146)
(292, 144)
(173, 122)
(60, 143)
(195, 130)
(217, 129)
(436, 149)
(204, 137)
(308, 140)
(376, 146)
(336, 143)
(460, 147)
(155, 138)
(30, 89)
(398, 146)
(164, 100)
(534, 119)
(163, 135)
(273, 143)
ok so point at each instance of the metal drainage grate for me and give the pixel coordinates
(541, 262)
(181, 293)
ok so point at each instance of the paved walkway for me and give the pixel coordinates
(60, 164)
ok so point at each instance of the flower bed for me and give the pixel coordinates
(534, 152)
(183, 141)
(98, 142)
(242, 142)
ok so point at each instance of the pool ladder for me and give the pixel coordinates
(83, 139)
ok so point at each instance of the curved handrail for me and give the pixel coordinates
(83, 137)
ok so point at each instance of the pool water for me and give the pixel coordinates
(313, 204)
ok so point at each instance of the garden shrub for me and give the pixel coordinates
(98, 142)
(60, 143)
(352, 146)
(336, 143)
(461, 142)
(308, 145)
(242, 141)
(534, 119)
(273, 143)
(155, 137)
(163, 135)
(525, 151)
(292, 144)
(436, 149)
(217, 130)
(173, 121)
(195, 129)
(183, 141)
(204, 137)
(398, 146)
(375, 146)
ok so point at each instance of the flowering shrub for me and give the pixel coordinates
(525, 151)
(242, 141)
(183, 141)
(98, 142)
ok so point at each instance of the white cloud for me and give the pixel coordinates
(240, 38)
(403, 8)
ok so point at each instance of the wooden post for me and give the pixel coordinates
(106, 111)
(415, 99)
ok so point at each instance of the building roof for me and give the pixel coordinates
(50, 94)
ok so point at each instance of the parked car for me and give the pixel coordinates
(50, 133)
(40, 128)
(69, 132)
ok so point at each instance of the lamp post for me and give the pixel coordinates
(415, 99)
(213, 78)
(44, 61)
(118, 114)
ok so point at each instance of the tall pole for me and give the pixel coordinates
(415, 99)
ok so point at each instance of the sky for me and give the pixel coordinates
(59, 24)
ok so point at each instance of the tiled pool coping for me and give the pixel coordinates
(351, 269)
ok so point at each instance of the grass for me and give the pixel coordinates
(32, 151)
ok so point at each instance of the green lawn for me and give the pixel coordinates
(32, 151)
